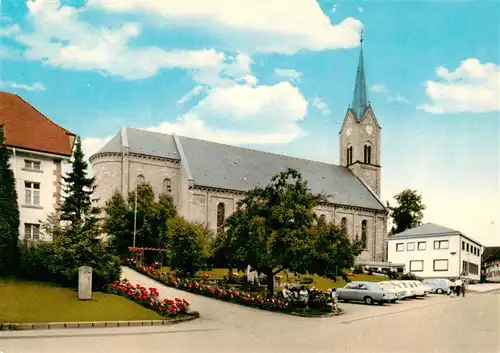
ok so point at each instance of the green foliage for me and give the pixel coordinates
(75, 241)
(409, 211)
(274, 228)
(9, 214)
(188, 247)
(358, 270)
(409, 276)
(77, 208)
(152, 220)
(331, 250)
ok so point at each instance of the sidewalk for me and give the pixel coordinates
(483, 287)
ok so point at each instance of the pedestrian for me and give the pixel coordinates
(463, 289)
(335, 300)
(458, 287)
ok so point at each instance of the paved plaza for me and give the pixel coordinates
(434, 324)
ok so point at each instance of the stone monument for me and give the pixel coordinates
(85, 283)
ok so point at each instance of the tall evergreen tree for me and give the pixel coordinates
(9, 214)
(77, 207)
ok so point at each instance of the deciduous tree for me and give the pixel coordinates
(409, 211)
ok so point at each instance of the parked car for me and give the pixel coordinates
(438, 285)
(393, 288)
(369, 292)
(410, 291)
(418, 288)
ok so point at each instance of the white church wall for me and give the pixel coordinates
(107, 170)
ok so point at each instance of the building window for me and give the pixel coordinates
(33, 165)
(31, 231)
(31, 193)
(349, 155)
(416, 266)
(364, 230)
(343, 224)
(221, 214)
(422, 245)
(463, 245)
(400, 247)
(167, 186)
(368, 154)
(410, 246)
(322, 218)
(467, 247)
(441, 244)
(441, 265)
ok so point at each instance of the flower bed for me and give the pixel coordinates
(148, 297)
(234, 296)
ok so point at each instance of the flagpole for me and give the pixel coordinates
(135, 216)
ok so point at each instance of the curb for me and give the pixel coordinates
(92, 324)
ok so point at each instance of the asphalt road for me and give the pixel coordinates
(434, 324)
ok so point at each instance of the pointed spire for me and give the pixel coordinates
(360, 100)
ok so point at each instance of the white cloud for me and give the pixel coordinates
(60, 38)
(291, 74)
(398, 98)
(320, 105)
(37, 86)
(378, 88)
(254, 115)
(9, 30)
(473, 87)
(191, 94)
(249, 25)
(360, 9)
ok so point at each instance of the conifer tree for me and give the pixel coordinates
(9, 214)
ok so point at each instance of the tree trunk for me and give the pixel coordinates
(270, 284)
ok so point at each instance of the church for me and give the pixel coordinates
(206, 179)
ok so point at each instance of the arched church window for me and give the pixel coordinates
(368, 154)
(322, 218)
(343, 224)
(349, 155)
(221, 213)
(167, 186)
(364, 230)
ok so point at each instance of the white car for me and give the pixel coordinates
(393, 288)
(418, 287)
(409, 290)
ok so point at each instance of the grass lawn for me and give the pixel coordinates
(22, 301)
(318, 282)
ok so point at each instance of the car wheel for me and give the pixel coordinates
(439, 291)
(368, 300)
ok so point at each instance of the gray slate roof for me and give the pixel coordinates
(235, 168)
(427, 229)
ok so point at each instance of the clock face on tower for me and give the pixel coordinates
(369, 129)
(348, 132)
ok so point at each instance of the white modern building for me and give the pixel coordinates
(39, 148)
(434, 251)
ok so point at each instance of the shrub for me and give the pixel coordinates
(188, 246)
(358, 270)
(370, 271)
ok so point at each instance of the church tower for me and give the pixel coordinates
(359, 140)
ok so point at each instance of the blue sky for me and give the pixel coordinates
(278, 75)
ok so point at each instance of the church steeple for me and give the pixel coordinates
(360, 100)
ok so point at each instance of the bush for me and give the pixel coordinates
(409, 276)
(188, 246)
(358, 270)
(370, 271)
(35, 262)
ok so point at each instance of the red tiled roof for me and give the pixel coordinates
(25, 127)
